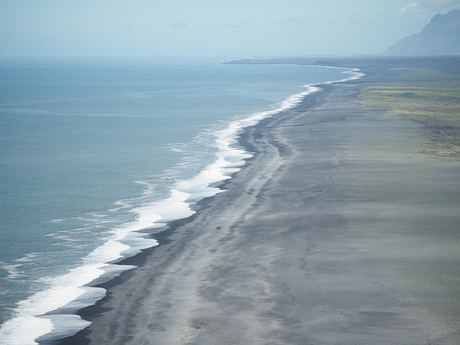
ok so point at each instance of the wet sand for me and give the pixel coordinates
(337, 231)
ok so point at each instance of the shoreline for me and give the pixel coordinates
(164, 237)
(266, 261)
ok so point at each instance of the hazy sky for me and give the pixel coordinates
(202, 27)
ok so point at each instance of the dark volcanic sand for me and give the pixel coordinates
(338, 231)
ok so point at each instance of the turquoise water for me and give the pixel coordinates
(91, 151)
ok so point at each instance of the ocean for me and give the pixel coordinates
(98, 154)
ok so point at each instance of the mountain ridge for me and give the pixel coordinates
(441, 36)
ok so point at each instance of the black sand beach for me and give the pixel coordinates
(338, 231)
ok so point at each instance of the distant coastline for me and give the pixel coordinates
(311, 238)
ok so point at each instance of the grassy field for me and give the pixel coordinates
(430, 97)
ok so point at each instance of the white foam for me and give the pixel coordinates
(23, 330)
(31, 322)
(68, 324)
(354, 74)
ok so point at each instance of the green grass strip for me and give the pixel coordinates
(433, 103)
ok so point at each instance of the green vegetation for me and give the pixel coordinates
(435, 104)
(419, 73)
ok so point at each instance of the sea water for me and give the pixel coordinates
(95, 151)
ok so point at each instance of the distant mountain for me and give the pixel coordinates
(440, 37)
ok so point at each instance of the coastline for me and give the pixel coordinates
(168, 235)
(296, 250)
(171, 175)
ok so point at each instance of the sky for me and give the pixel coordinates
(45, 28)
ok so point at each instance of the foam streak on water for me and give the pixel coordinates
(50, 313)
